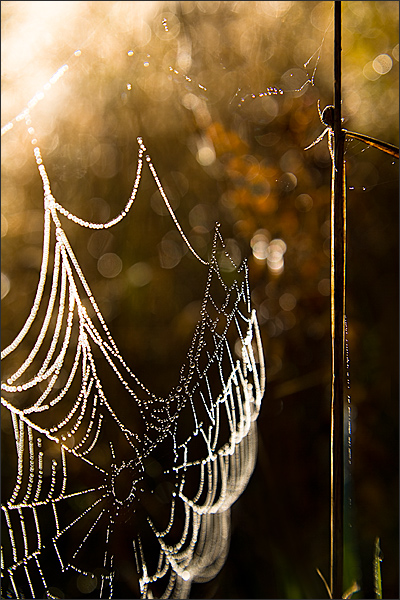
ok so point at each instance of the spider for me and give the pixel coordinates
(326, 117)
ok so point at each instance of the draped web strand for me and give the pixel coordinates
(201, 439)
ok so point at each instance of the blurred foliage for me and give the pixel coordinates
(216, 90)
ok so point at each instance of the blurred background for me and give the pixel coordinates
(224, 95)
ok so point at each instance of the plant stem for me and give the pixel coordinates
(384, 146)
(338, 271)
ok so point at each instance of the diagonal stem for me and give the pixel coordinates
(338, 272)
(384, 146)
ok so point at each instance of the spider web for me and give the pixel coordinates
(119, 492)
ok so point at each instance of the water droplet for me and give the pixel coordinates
(128, 86)
(146, 63)
(130, 53)
(77, 52)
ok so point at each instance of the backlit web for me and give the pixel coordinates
(122, 492)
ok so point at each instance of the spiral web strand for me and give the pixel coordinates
(115, 487)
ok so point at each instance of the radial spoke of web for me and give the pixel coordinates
(82, 400)
(90, 530)
(240, 408)
(67, 248)
(57, 329)
(54, 370)
(201, 484)
(31, 466)
(45, 432)
(211, 487)
(49, 312)
(94, 334)
(38, 404)
(52, 482)
(10, 533)
(217, 424)
(20, 414)
(211, 455)
(39, 290)
(244, 408)
(43, 373)
(209, 412)
(83, 492)
(67, 385)
(19, 429)
(81, 516)
(95, 437)
(39, 477)
(80, 403)
(90, 427)
(127, 432)
(233, 364)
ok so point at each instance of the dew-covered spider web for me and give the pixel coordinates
(127, 491)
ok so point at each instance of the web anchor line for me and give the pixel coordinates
(108, 478)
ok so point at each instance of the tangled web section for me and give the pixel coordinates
(119, 492)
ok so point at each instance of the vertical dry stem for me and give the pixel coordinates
(338, 269)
